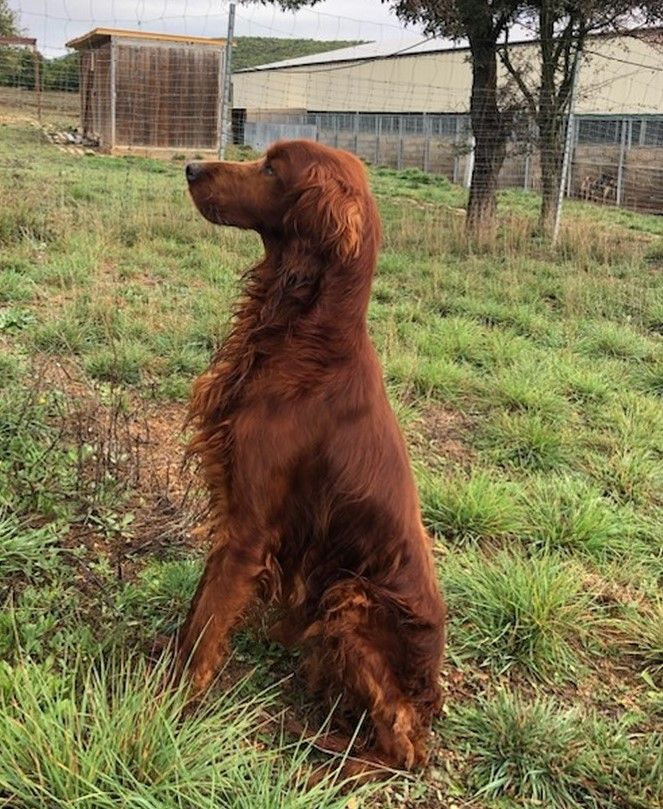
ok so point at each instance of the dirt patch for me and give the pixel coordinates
(439, 435)
(17, 118)
(169, 503)
(612, 594)
(136, 494)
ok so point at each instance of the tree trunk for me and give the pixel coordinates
(550, 122)
(551, 177)
(488, 129)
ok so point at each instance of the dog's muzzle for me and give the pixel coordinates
(193, 171)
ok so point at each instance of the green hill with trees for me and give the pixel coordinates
(252, 51)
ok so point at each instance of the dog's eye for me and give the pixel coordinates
(268, 168)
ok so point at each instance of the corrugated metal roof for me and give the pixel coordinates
(369, 50)
(403, 47)
(98, 35)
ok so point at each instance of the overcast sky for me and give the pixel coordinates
(54, 22)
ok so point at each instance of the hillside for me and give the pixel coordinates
(252, 51)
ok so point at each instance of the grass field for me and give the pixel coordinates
(528, 383)
(61, 109)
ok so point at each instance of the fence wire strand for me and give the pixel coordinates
(403, 102)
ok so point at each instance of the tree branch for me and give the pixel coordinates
(576, 46)
(516, 74)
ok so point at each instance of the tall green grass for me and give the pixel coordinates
(542, 491)
(538, 753)
(513, 612)
(108, 733)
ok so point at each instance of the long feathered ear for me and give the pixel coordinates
(327, 214)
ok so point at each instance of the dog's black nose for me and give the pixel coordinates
(193, 171)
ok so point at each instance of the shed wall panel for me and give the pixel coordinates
(167, 96)
(95, 90)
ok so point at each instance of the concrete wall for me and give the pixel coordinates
(259, 135)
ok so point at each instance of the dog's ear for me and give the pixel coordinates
(327, 214)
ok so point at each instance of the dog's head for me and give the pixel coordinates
(299, 190)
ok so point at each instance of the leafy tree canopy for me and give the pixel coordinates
(8, 20)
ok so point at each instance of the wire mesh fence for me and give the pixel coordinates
(617, 161)
(160, 92)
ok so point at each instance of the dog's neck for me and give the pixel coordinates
(294, 296)
(318, 287)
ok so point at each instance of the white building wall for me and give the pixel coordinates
(441, 82)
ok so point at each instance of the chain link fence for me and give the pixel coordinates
(613, 161)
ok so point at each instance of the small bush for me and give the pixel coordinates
(641, 633)
(607, 339)
(631, 476)
(649, 378)
(527, 388)
(158, 600)
(581, 385)
(564, 513)
(439, 377)
(175, 388)
(66, 334)
(15, 287)
(522, 749)
(538, 754)
(36, 473)
(526, 440)
(25, 551)
(46, 620)
(23, 221)
(122, 363)
(15, 319)
(621, 765)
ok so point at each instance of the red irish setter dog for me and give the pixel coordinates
(313, 504)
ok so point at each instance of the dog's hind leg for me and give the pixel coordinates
(351, 658)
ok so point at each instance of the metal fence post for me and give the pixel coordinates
(572, 154)
(226, 104)
(399, 152)
(378, 127)
(426, 131)
(469, 162)
(455, 146)
(619, 193)
(113, 91)
(355, 133)
(35, 58)
(567, 148)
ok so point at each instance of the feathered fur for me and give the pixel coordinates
(312, 500)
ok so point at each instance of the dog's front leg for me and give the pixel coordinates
(226, 589)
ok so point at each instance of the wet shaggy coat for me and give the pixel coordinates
(312, 499)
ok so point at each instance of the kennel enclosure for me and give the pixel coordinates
(143, 92)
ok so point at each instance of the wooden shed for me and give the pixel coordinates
(145, 91)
